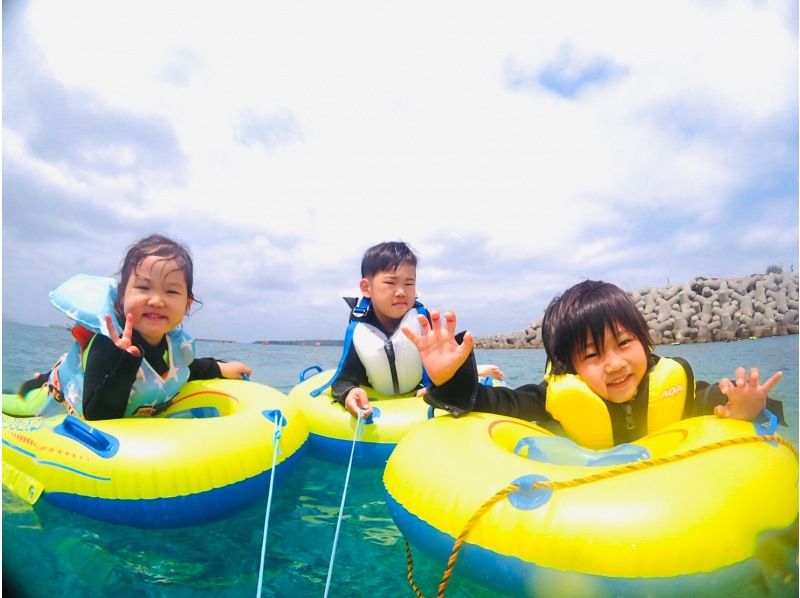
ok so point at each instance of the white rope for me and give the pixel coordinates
(277, 436)
(341, 506)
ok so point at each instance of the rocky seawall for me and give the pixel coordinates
(703, 310)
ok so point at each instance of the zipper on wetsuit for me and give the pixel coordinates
(629, 422)
(389, 348)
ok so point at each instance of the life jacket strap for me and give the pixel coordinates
(348, 344)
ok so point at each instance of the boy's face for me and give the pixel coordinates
(392, 293)
(615, 370)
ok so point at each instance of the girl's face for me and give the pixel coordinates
(614, 370)
(156, 297)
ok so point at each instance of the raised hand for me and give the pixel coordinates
(746, 397)
(123, 342)
(441, 354)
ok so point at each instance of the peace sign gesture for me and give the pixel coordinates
(123, 342)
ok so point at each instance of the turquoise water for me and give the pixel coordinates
(49, 551)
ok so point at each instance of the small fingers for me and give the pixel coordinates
(423, 322)
(721, 411)
(740, 376)
(128, 331)
(412, 336)
(435, 322)
(772, 381)
(362, 402)
(467, 344)
(112, 330)
(725, 385)
(450, 322)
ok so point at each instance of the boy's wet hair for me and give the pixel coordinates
(585, 310)
(154, 245)
(386, 257)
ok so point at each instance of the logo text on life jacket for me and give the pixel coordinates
(672, 391)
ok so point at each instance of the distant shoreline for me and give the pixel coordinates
(700, 311)
(312, 343)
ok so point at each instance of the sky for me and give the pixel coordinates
(518, 147)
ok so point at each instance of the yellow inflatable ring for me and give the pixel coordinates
(207, 456)
(679, 511)
(331, 427)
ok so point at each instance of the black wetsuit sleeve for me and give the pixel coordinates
(204, 368)
(107, 380)
(352, 375)
(464, 393)
(708, 396)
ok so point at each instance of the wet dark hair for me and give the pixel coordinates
(386, 257)
(585, 310)
(159, 246)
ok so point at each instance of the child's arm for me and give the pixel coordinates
(234, 369)
(109, 373)
(746, 397)
(346, 387)
(451, 367)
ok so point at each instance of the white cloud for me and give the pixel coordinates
(317, 129)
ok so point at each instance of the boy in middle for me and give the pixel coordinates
(376, 353)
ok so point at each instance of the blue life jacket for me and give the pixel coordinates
(87, 300)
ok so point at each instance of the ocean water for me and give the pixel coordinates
(49, 551)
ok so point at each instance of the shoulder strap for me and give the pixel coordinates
(348, 343)
(688, 406)
(360, 309)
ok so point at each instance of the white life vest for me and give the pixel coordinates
(392, 363)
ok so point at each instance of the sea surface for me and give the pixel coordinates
(49, 551)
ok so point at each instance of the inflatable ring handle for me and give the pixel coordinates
(304, 373)
(766, 423)
(78, 430)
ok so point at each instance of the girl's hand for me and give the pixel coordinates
(441, 354)
(235, 370)
(123, 342)
(746, 397)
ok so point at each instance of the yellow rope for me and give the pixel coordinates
(640, 465)
(410, 568)
(560, 485)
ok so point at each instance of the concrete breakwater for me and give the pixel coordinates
(703, 310)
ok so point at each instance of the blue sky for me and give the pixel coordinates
(519, 148)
